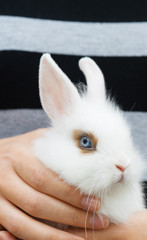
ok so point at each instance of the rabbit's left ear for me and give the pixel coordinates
(57, 93)
(94, 78)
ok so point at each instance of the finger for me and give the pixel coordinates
(46, 181)
(42, 206)
(24, 227)
(25, 137)
(111, 233)
(4, 235)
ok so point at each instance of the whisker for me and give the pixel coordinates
(89, 195)
(87, 216)
(93, 221)
(101, 218)
(102, 195)
(88, 210)
(132, 106)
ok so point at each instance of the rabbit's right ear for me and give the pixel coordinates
(94, 78)
(57, 93)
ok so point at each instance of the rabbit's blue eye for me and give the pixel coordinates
(86, 142)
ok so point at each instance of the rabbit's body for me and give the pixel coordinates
(111, 167)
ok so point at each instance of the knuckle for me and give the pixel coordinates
(76, 218)
(8, 148)
(13, 226)
(32, 205)
(39, 179)
(6, 171)
(55, 235)
(73, 196)
(51, 237)
(70, 190)
(8, 152)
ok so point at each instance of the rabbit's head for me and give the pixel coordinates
(90, 140)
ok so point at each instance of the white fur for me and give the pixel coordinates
(92, 173)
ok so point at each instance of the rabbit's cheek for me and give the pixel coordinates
(133, 172)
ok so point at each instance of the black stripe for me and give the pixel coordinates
(81, 10)
(145, 191)
(125, 78)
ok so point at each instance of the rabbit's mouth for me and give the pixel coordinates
(122, 177)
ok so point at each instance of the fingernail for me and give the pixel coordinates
(92, 204)
(100, 221)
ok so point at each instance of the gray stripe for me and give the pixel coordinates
(61, 37)
(14, 122)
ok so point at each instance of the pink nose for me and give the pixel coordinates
(121, 168)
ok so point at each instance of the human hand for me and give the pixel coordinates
(135, 229)
(28, 189)
(4, 235)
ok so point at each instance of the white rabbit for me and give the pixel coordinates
(89, 144)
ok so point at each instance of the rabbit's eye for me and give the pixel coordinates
(86, 142)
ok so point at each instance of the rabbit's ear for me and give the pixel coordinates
(94, 78)
(58, 94)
